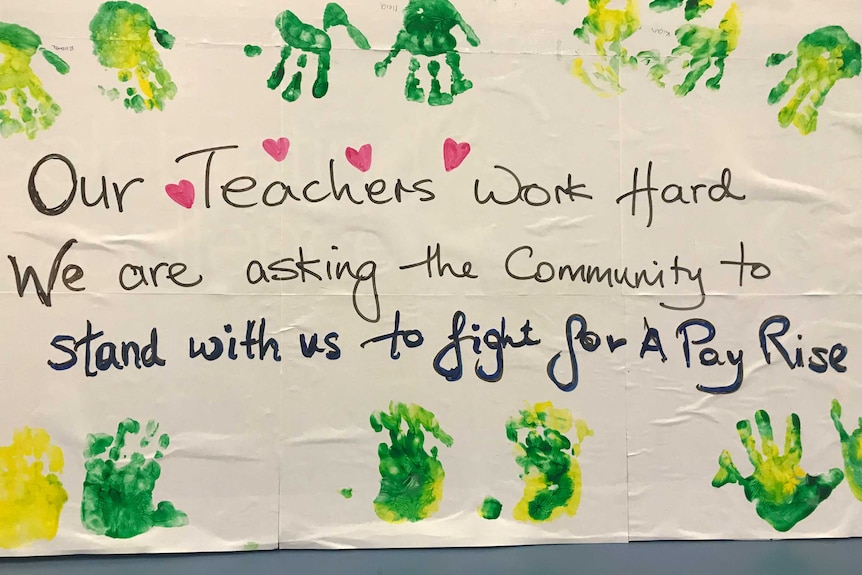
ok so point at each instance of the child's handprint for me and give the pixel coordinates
(552, 474)
(30, 499)
(118, 489)
(120, 32)
(705, 47)
(608, 28)
(308, 40)
(822, 58)
(851, 449)
(21, 87)
(427, 32)
(411, 480)
(783, 494)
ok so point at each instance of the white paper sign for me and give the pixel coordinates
(428, 273)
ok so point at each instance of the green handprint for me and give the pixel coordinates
(308, 40)
(120, 32)
(608, 28)
(851, 449)
(704, 46)
(18, 82)
(427, 32)
(782, 492)
(822, 58)
(411, 480)
(693, 8)
(118, 499)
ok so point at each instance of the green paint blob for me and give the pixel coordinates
(307, 39)
(411, 478)
(251, 50)
(693, 8)
(120, 32)
(782, 493)
(427, 32)
(851, 449)
(776, 59)
(551, 472)
(251, 546)
(699, 48)
(118, 497)
(607, 28)
(823, 57)
(491, 508)
(34, 109)
(347, 492)
(57, 62)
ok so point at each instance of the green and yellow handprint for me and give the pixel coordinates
(411, 479)
(120, 32)
(548, 458)
(851, 449)
(25, 106)
(782, 493)
(823, 57)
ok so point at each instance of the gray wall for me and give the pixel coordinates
(827, 557)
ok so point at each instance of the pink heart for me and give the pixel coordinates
(454, 153)
(182, 193)
(277, 148)
(361, 160)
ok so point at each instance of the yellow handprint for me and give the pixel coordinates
(30, 500)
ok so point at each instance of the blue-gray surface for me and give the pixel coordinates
(832, 557)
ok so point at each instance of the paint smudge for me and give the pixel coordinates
(118, 497)
(30, 499)
(823, 57)
(607, 28)
(551, 472)
(34, 109)
(252, 51)
(411, 479)
(693, 8)
(308, 39)
(120, 32)
(427, 32)
(347, 492)
(491, 508)
(782, 493)
(851, 449)
(699, 49)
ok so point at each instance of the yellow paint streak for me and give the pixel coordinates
(731, 25)
(144, 84)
